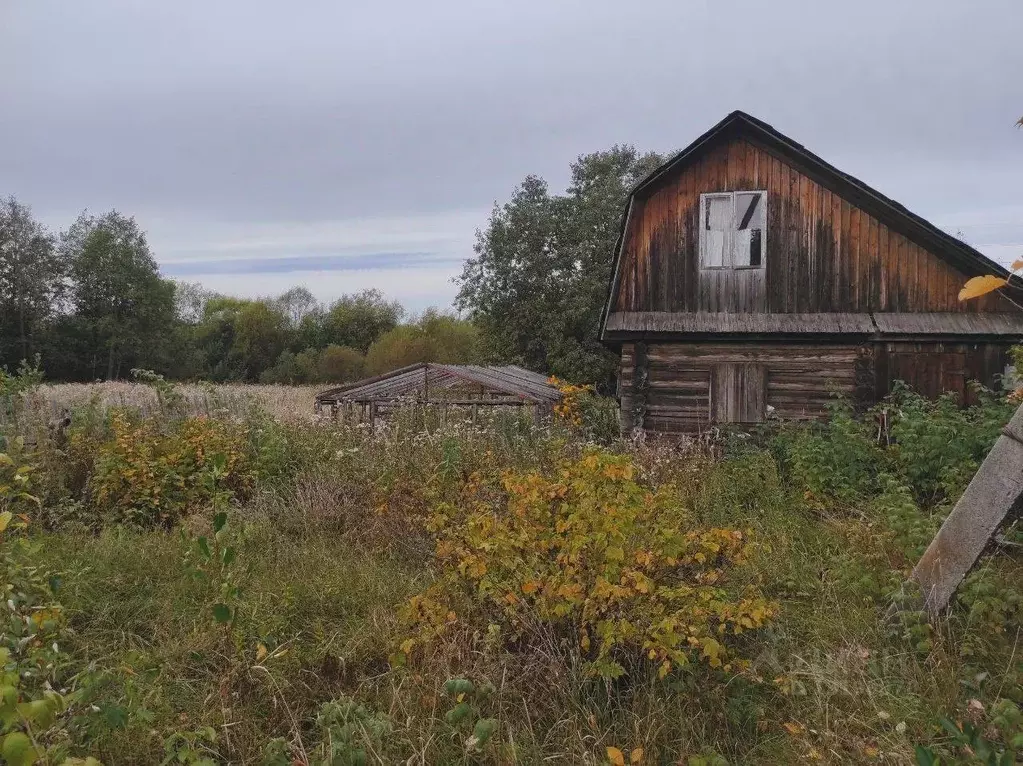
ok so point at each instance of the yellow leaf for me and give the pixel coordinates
(793, 728)
(616, 756)
(260, 653)
(5, 519)
(978, 286)
(636, 756)
(529, 587)
(1016, 265)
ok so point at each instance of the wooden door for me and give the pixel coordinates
(737, 394)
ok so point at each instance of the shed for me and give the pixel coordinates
(442, 385)
(751, 277)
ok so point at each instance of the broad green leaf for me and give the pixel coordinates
(484, 729)
(458, 713)
(456, 686)
(219, 521)
(116, 716)
(228, 556)
(204, 548)
(17, 750)
(925, 757)
(222, 613)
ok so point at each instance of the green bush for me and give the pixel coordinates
(837, 458)
(939, 445)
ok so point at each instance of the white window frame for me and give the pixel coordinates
(728, 259)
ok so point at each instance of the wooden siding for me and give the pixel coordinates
(823, 254)
(932, 369)
(682, 387)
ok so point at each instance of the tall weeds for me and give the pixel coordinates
(565, 602)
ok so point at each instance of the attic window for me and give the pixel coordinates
(733, 230)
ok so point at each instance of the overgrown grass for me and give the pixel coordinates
(339, 533)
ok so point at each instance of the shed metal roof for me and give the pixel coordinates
(511, 381)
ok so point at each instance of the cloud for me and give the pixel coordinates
(297, 264)
(254, 129)
(415, 288)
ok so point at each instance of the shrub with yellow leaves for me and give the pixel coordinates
(569, 409)
(144, 475)
(592, 556)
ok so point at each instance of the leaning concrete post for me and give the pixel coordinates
(982, 509)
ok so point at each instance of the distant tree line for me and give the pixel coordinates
(91, 302)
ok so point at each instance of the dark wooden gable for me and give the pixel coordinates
(833, 244)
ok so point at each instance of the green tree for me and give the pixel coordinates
(296, 304)
(31, 280)
(214, 337)
(339, 364)
(358, 320)
(285, 370)
(402, 346)
(451, 340)
(434, 337)
(541, 268)
(121, 304)
(190, 299)
(261, 334)
(243, 339)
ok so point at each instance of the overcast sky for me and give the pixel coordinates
(343, 145)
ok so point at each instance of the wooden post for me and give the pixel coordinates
(640, 384)
(987, 503)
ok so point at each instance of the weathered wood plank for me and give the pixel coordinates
(823, 253)
(989, 500)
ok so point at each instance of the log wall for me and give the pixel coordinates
(686, 387)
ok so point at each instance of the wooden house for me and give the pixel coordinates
(751, 278)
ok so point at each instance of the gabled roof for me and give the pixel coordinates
(511, 381)
(738, 124)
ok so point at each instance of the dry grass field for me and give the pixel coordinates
(287, 402)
